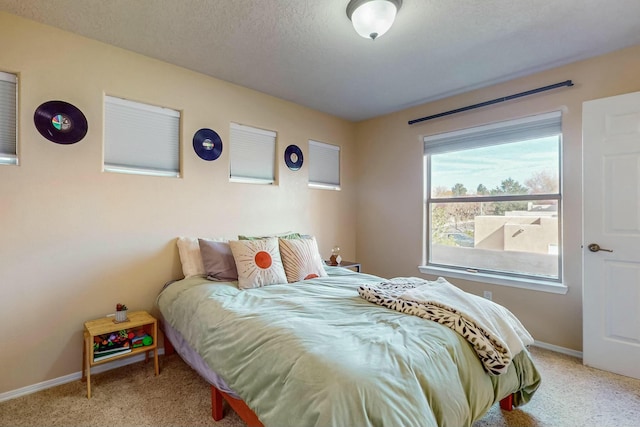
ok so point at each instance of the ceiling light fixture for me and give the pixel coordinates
(372, 18)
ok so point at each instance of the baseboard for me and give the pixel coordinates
(72, 377)
(558, 349)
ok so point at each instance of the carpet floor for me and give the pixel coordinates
(570, 395)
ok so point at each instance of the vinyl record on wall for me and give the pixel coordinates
(293, 157)
(207, 144)
(60, 122)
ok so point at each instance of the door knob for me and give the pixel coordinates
(594, 247)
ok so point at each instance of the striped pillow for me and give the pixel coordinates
(301, 259)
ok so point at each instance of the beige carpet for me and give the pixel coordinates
(570, 395)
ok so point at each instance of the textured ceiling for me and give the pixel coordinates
(308, 52)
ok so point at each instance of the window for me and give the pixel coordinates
(324, 165)
(8, 123)
(253, 154)
(140, 138)
(493, 203)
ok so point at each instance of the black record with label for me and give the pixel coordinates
(207, 144)
(293, 157)
(60, 122)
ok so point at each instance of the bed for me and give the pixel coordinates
(315, 353)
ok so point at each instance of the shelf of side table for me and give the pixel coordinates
(106, 325)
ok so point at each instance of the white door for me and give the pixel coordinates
(611, 191)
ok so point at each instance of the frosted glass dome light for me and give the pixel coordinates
(372, 18)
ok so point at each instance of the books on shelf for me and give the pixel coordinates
(118, 343)
(102, 355)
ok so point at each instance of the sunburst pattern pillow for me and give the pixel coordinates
(301, 259)
(258, 262)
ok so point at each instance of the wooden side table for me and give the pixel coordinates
(106, 325)
(347, 264)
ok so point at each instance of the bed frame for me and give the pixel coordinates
(246, 414)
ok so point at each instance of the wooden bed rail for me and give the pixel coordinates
(251, 419)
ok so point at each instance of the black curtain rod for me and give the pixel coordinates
(493, 101)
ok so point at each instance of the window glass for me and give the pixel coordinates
(496, 207)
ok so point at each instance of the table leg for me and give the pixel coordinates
(155, 350)
(87, 351)
(84, 356)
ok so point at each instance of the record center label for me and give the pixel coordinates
(207, 144)
(61, 122)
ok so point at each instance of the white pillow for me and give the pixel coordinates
(258, 262)
(301, 259)
(190, 257)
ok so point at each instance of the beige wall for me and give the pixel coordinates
(390, 177)
(75, 240)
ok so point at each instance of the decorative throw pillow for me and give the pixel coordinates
(218, 260)
(301, 259)
(285, 235)
(190, 256)
(258, 262)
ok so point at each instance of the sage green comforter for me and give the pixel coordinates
(313, 353)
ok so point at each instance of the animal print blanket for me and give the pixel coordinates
(490, 328)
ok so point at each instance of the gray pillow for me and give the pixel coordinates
(218, 260)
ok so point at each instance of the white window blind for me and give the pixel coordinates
(538, 126)
(324, 165)
(8, 124)
(253, 154)
(141, 138)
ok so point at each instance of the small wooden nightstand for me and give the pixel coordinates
(106, 325)
(347, 264)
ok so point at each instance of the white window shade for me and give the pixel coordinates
(252, 154)
(538, 126)
(8, 123)
(141, 139)
(324, 165)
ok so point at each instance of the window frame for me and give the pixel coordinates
(463, 140)
(323, 155)
(172, 143)
(250, 135)
(10, 157)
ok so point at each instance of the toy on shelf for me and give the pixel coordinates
(140, 338)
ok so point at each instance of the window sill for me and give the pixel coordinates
(137, 171)
(531, 284)
(246, 180)
(8, 159)
(324, 186)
